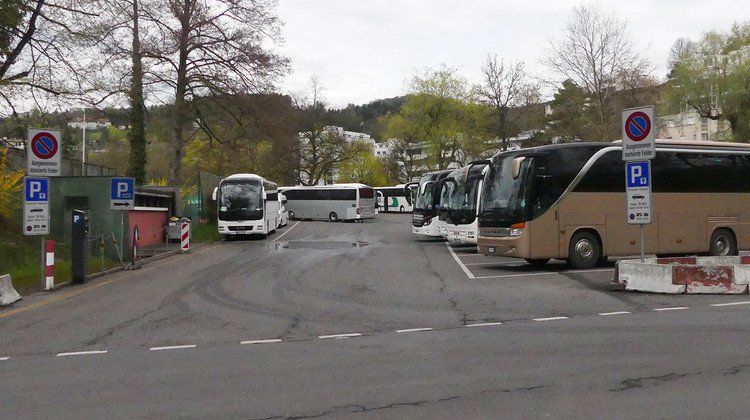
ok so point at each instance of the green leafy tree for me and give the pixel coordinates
(364, 167)
(712, 77)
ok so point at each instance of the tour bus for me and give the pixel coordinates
(393, 199)
(426, 206)
(248, 205)
(460, 213)
(331, 202)
(568, 202)
(283, 212)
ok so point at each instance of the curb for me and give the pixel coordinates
(690, 275)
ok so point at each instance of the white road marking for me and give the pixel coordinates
(81, 353)
(552, 318)
(345, 335)
(2, 359)
(731, 303)
(408, 330)
(484, 324)
(270, 340)
(183, 346)
(672, 308)
(499, 264)
(460, 263)
(546, 273)
(614, 313)
(287, 231)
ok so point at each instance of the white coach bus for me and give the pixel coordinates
(331, 202)
(394, 199)
(245, 207)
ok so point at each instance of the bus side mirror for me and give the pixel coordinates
(517, 166)
(215, 193)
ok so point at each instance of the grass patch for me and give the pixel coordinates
(22, 260)
(207, 233)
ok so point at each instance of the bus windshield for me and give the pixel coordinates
(504, 197)
(424, 196)
(241, 200)
(462, 203)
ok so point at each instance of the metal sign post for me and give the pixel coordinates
(638, 148)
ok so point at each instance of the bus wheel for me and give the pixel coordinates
(401, 209)
(722, 243)
(332, 216)
(291, 214)
(585, 250)
(537, 262)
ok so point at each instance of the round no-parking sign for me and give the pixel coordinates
(638, 140)
(43, 156)
(44, 145)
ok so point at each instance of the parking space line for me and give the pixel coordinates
(546, 273)
(183, 346)
(2, 359)
(267, 341)
(81, 353)
(408, 330)
(287, 231)
(552, 318)
(345, 335)
(672, 308)
(460, 263)
(505, 264)
(730, 304)
(614, 313)
(484, 324)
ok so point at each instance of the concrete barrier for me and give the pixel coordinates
(709, 275)
(648, 277)
(8, 294)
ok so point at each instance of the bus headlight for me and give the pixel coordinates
(516, 229)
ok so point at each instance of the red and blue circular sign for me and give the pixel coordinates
(44, 145)
(638, 126)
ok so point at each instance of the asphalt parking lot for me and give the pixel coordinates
(332, 319)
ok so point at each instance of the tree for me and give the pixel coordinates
(712, 77)
(571, 119)
(10, 186)
(322, 147)
(504, 87)
(206, 49)
(594, 52)
(364, 168)
(38, 55)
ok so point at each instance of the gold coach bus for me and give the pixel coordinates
(568, 202)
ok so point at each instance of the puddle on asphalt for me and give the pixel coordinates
(317, 245)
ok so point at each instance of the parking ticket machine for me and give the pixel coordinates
(79, 245)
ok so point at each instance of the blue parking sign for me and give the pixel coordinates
(638, 174)
(36, 189)
(122, 193)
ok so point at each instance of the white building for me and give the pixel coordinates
(689, 125)
(14, 143)
(90, 125)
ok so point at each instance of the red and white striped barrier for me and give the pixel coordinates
(692, 275)
(185, 237)
(49, 264)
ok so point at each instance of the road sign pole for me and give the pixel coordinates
(642, 243)
(43, 263)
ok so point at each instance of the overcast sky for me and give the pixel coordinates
(366, 50)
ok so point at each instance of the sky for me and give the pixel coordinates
(366, 50)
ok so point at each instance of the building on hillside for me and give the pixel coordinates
(691, 126)
(90, 125)
(14, 143)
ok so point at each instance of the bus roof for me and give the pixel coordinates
(268, 184)
(330, 186)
